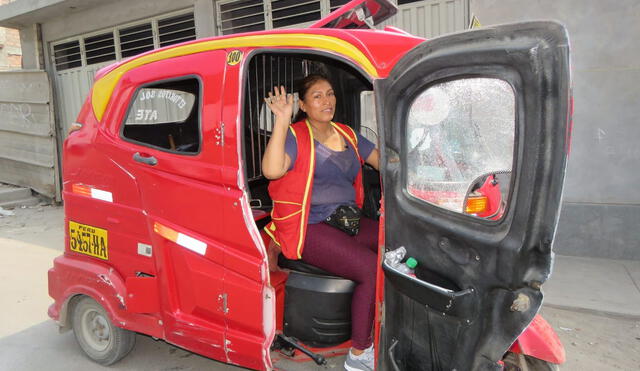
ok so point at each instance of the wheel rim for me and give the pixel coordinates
(96, 330)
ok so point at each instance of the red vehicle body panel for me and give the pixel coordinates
(539, 340)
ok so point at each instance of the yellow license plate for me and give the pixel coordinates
(88, 240)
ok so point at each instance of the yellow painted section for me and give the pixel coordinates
(103, 88)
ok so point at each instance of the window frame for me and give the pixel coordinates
(198, 101)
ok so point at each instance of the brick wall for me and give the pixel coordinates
(10, 51)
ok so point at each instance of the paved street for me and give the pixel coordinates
(29, 340)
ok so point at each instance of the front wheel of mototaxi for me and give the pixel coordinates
(514, 362)
(101, 341)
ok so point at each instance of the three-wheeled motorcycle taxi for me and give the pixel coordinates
(165, 201)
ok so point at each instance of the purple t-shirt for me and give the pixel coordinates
(334, 175)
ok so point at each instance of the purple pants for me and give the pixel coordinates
(354, 258)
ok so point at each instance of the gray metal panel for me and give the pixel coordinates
(431, 18)
(28, 155)
(72, 88)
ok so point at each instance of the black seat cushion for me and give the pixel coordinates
(302, 267)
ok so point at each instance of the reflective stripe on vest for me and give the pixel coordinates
(291, 238)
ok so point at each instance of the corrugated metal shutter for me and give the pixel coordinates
(72, 87)
(177, 29)
(426, 18)
(241, 16)
(335, 4)
(100, 48)
(67, 55)
(432, 17)
(135, 40)
(288, 13)
(235, 16)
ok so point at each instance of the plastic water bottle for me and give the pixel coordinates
(408, 267)
(394, 257)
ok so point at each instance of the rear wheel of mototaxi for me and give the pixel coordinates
(101, 340)
(514, 362)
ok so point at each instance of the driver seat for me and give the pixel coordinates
(317, 304)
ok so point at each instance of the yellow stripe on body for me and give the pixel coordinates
(103, 88)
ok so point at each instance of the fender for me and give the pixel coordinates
(539, 340)
(71, 277)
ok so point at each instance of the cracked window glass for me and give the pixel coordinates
(460, 141)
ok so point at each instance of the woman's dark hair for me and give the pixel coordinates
(303, 86)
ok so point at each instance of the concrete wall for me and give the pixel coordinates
(28, 155)
(601, 212)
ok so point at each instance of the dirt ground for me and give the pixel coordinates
(30, 239)
(596, 342)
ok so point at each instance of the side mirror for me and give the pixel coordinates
(487, 195)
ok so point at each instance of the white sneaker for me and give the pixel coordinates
(363, 362)
(370, 351)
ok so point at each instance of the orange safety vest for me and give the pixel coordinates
(291, 194)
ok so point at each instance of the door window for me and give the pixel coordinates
(166, 116)
(368, 123)
(460, 141)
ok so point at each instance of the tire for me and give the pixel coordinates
(512, 363)
(100, 340)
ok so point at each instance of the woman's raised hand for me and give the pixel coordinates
(275, 162)
(280, 103)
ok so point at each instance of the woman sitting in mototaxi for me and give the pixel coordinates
(315, 168)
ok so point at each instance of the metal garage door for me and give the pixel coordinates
(426, 18)
(431, 18)
(76, 60)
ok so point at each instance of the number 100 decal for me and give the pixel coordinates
(88, 240)
(234, 57)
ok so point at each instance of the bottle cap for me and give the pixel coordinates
(411, 263)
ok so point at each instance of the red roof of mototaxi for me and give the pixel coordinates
(383, 48)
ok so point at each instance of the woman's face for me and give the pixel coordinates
(319, 102)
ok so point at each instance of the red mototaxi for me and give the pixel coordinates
(168, 243)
